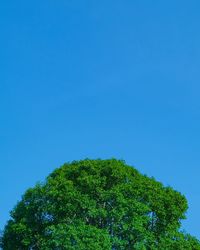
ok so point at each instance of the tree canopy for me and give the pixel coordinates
(98, 205)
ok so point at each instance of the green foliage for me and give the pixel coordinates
(98, 204)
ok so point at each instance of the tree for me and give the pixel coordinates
(98, 204)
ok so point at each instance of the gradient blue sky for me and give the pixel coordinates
(100, 79)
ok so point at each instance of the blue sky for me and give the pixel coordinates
(100, 79)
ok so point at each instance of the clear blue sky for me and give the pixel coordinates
(100, 79)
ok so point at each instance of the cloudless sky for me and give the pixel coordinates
(100, 79)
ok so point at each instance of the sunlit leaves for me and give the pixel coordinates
(98, 204)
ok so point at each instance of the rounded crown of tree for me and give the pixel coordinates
(98, 204)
